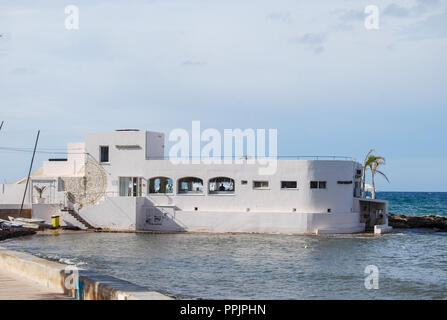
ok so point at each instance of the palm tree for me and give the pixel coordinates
(40, 190)
(367, 163)
(372, 163)
(378, 161)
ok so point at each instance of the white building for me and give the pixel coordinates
(120, 181)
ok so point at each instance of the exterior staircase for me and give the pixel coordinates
(76, 216)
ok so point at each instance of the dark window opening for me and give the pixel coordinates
(318, 184)
(289, 184)
(104, 153)
(161, 185)
(190, 185)
(260, 184)
(221, 185)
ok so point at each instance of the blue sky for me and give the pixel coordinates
(308, 68)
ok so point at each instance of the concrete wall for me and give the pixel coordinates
(155, 145)
(45, 211)
(336, 197)
(112, 213)
(72, 167)
(142, 214)
(13, 193)
(7, 211)
(251, 222)
(60, 277)
(132, 163)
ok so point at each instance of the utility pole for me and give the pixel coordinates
(29, 173)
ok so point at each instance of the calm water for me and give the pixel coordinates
(412, 264)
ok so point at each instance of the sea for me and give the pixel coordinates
(406, 264)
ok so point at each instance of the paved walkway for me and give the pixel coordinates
(16, 288)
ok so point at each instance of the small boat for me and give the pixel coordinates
(27, 223)
(26, 220)
(10, 224)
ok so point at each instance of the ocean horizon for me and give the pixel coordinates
(415, 203)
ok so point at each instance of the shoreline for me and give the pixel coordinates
(15, 233)
(434, 222)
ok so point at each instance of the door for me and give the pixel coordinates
(130, 187)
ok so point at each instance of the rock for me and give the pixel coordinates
(431, 222)
(13, 233)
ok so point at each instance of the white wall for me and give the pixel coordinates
(72, 167)
(155, 145)
(112, 213)
(45, 211)
(337, 197)
(132, 163)
(13, 193)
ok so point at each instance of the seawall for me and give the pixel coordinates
(89, 285)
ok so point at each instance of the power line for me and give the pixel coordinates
(37, 151)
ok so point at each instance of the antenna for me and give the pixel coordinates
(29, 173)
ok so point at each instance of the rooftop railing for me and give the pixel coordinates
(345, 158)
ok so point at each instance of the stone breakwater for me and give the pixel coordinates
(436, 223)
(13, 233)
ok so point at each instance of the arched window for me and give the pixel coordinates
(161, 185)
(221, 185)
(190, 185)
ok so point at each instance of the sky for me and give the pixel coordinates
(309, 69)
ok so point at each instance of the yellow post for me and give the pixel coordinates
(55, 220)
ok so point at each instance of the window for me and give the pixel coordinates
(104, 154)
(221, 185)
(260, 184)
(190, 185)
(357, 190)
(318, 184)
(289, 185)
(161, 185)
(244, 181)
(344, 182)
(60, 185)
(130, 187)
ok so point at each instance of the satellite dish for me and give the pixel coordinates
(89, 188)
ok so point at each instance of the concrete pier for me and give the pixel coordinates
(14, 287)
(45, 278)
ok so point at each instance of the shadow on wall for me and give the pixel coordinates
(154, 217)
